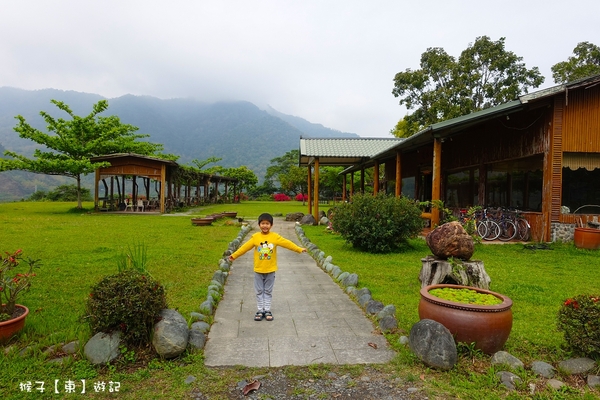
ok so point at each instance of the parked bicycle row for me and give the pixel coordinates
(497, 223)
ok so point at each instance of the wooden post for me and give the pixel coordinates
(351, 184)
(163, 180)
(375, 178)
(436, 180)
(481, 194)
(398, 174)
(112, 193)
(316, 196)
(362, 180)
(309, 191)
(96, 180)
(344, 188)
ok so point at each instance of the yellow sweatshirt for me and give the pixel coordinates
(265, 254)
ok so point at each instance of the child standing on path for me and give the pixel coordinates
(265, 244)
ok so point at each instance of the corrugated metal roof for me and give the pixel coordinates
(108, 157)
(477, 116)
(342, 151)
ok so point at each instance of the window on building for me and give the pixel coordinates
(408, 187)
(581, 190)
(515, 184)
(461, 188)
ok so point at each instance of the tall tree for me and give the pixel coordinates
(246, 178)
(70, 143)
(292, 179)
(203, 163)
(330, 181)
(484, 75)
(584, 62)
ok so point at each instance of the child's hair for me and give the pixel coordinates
(265, 217)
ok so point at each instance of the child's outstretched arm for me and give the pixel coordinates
(243, 249)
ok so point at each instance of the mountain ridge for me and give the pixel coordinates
(238, 132)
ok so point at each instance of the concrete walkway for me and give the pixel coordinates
(314, 320)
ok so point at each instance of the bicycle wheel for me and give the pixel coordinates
(482, 229)
(508, 230)
(523, 230)
(493, 230)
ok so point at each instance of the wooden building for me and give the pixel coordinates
(162, 184)
(539, 154)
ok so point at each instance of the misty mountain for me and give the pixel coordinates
(238, 132)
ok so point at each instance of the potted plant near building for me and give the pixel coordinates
(12, 284)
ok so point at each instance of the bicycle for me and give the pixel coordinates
(523, 227)
(508, 229)
(487, 228)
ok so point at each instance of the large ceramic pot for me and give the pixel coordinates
(587, 238)
(11, 327)
(486, 326)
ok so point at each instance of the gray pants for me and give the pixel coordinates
(263, 286)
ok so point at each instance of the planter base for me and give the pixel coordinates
(486, 326)
(202, 221)
(11, 327)
(587, 238)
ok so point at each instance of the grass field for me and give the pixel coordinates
(78, 248)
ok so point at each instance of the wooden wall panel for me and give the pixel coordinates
(582, 120)
(556, 154)
(578, 219)
(501, 139)
(414, 160)
(536, 222)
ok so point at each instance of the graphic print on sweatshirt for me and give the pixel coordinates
(265, 250)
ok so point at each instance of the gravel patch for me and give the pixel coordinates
(370, 384)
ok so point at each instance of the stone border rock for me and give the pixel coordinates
(385, 315)
(217, 284)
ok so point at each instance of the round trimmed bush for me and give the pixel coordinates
(378, 224)
(579, 320)
(129, 301)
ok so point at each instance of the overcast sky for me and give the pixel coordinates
(330, 62)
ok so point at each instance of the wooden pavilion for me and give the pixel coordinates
(157, 183)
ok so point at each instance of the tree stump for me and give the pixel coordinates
(467, 273)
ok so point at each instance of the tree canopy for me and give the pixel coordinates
(484, 75)
(584, 62)
(71, 143)
(247, 179)
(292, 179)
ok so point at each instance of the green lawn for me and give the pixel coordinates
(78, 248)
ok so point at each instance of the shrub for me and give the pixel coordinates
(281, 197)
(68, 193)
(301, 197)
(129, 301)
(38, 195)
(378, 224)
(265, 197)
(579, 320)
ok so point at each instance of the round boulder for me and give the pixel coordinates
(171, 334)
(450, 240)
(433, 344)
